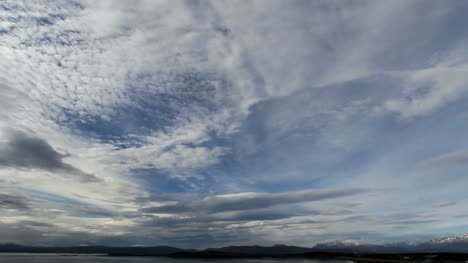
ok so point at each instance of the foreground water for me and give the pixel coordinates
(54, 258)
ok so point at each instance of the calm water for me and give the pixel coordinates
(53, 258)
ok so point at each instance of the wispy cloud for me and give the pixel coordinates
(453, 159)
(249, 201)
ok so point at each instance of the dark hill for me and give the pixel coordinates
(251, 250)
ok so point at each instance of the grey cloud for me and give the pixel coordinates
(263, 214)
(453, 159)
(165, 197)
(461, 216)
(389, 219)
(32, 223)
(325, 221)
(412, 222)
(28, 152)
(444, 204)
(15, 202)
(394, 219)
(170, 221)
(224, 218)
(248, 201)
(90, 211)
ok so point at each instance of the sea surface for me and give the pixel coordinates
(56, 258)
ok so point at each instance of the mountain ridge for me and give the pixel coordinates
(448, 244)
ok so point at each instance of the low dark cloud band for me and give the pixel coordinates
(25, 151)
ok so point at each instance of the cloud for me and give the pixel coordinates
(448, 160)
(225, 218)
(81, 210)
(23, 151)
(414, 222)
(172, 102)
(430, 89)
(35, 224)
(445, 204)
(264, 214)
(15, 202)
(250, 201)
(461, 216)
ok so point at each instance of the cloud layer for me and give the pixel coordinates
(208, 123)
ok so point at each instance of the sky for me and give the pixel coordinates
(213, 123)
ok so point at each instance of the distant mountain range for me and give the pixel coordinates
(452, 244)
(449, 244)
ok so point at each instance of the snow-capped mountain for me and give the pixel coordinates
(340, 243)
(452, 243)
(450, 239)
(347, 246)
